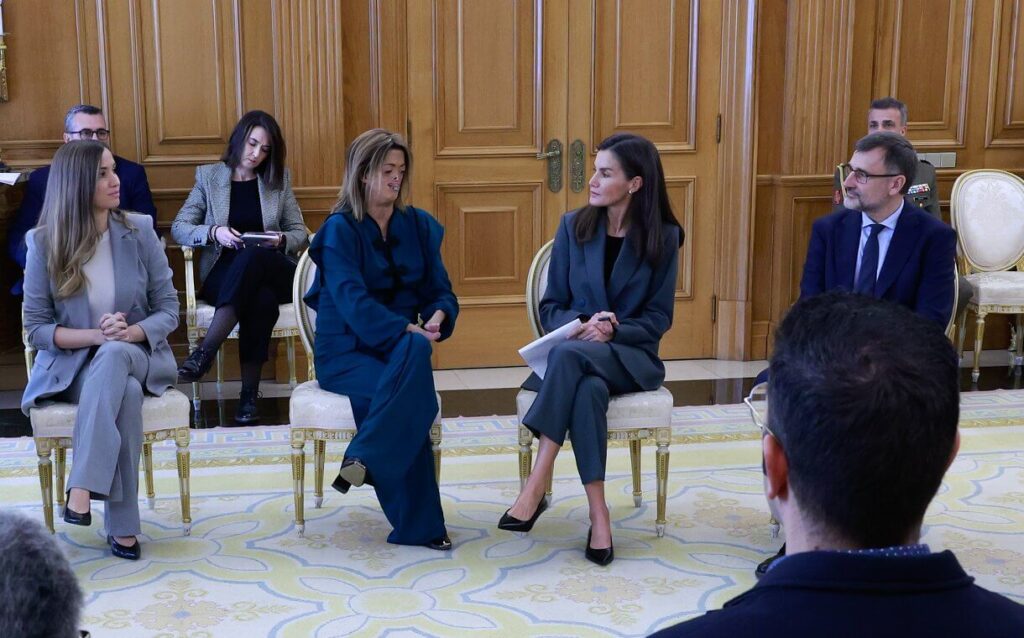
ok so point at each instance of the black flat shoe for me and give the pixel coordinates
(73, 517)
(510, 523)
(341, 484)
(763, 567)
(196, 365)
(599, 556)
(124, 551)
(353, 472)
(442, 544)
(247, 412)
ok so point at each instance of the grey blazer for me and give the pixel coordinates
(209, 203)
(142, 290)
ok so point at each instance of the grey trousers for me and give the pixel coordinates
(573, 398)
(108, 431)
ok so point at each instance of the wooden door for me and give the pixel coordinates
(493, 82)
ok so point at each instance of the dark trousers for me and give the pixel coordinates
(573, 399)
(255, 281)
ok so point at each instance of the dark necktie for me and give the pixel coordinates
(869, 263)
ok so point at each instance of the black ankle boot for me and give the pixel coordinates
(247, 406)
(196, 365)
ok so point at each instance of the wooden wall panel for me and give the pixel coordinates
(1005, 126)
(654, 100)
(487, 56)
(680, 194)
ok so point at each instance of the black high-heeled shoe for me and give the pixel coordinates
(196, 365)
(442, 544)
(599, 556)
(132, 552)
(77, 518)
(510, 523)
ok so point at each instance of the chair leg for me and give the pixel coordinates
(962, 335)
(45, 481)
(525, 455)
(978, 336)
(435, 448)
(319, 456)
(1018, 358)
(181, 441)
(220, 368)
(60, 454)
(147, 465)
(298, 477)
(634, 460)
(290, 346)
(193, 343)
(663, 436)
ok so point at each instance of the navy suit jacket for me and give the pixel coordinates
(641, 296)
(838, 595)
(135, 197)
(917, 271)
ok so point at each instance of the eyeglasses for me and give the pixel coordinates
(88, 133)
(862, 177)
(757, 403)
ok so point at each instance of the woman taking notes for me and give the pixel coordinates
(382, 297)
(613, 266)
(248, 191)
(98, 307)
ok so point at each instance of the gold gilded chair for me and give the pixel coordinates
(199, 315)
(163, 418)
(316, 415)
(632, 417)
(987, 211)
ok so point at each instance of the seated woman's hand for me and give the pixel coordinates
(114, 327)
(600, 327)
(273, 243)
(228, 237)
(429, 336)
(434, 323)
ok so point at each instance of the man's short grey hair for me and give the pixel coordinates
(88, 109)
(39, 594)
(890, 102)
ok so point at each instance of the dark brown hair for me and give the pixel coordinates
(649, 209)
(271, 169)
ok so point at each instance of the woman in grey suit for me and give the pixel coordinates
(613, 266)
(100, 324)
(249, 190)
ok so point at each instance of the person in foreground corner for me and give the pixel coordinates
(881, 245)
(100, 326)
(382, 297)
(249, 190)
(613, 266)
(864, 405)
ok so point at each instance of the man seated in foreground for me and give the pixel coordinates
(862, 425)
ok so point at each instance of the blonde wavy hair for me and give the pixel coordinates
(364, 157)
(66, 222)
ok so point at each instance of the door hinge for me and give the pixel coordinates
(718, 129)
(714, 308)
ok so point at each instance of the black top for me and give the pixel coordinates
(245, 214)
(612, 247)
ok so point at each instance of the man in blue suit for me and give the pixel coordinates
(82, 122)
(879, 244)
(857, 439)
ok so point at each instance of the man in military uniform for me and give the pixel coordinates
(889, 114)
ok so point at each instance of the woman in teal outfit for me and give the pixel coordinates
(382, 297)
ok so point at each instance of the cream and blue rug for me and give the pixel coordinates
(245, 573)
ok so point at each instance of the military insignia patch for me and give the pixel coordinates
(918, 189)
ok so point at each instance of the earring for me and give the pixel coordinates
(631, 191)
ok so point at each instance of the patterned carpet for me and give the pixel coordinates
(245, 572)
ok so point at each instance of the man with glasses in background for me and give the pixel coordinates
(879, 244)
(82, 122)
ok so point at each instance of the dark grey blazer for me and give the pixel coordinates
(640, 296)
(209, 203)
(142, 290)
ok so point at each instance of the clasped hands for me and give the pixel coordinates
(230, 238)
(431, 329)
(113, 327)
(600, 327)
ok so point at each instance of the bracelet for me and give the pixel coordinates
(212, 238)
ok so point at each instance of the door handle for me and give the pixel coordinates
(553, 155)
(577, 153)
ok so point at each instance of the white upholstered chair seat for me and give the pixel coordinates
(164, 412)
(204, 317)
(313, 407)
(1003, 288)
(625, 412)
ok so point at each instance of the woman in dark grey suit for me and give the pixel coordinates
(100, 325)
(249, 190)
(614, 267)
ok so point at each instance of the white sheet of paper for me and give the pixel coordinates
(9, 178)
(535, 353)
